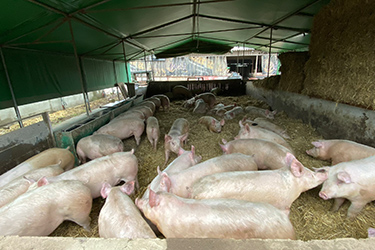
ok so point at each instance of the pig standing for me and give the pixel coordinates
(177, 217)
(277, 187)
(211, 123)
(155, 100)
(200, 107)
(98, 145)
(153, 131)
(20, 185)
(121, 166)
(131, 113)
(353, 180)
(124, 128)
(180, 183)
(149, 104)
(147, 112)
(230, 114)
(176, 135)
(180, 91)
(189, 104)
(267, 155)
(46, 158)
(208, 98)
(252, 132)
(165, 103)
(259, 111)
(119, 217)
(40, 211)
(185, 160)
(339, 150)
(264, 123)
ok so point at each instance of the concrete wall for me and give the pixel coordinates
(332, 120)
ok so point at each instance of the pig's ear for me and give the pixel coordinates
(296, 167)
(222, 122)
(192, 149)
(240, 123)
(247, 127)
(322, 169)
(224, 141)
(344, 177)
(371, 232)
(165, 182)
(317, 144)
(42, 181)
(106, 188)
(153, 198)
(167, 138)
(128, 187)
(158, 169)
(223, 147)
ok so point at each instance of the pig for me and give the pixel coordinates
(267, 154)
(230, 114)
(40, 211)
(338, 151)
(189, 104)
(20, 185)
(252, 132)
(259, 111)
(155, 100)
(371, 232)
(211, 123)
(180, 183)
(131, 113)
(119, 217)
(208, 98)
(180, 91)
(279, 188)
(98, 145)
(46, 158)
(149, 104)
(147, 112)
(120, 166)
(265, 123)
(185, 160)
(124, 128)
(178, 217)
(165, 103)
(177, 134)
(200, 107)
(353, 180)
(153, 131)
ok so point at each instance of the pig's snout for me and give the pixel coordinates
(323, 195)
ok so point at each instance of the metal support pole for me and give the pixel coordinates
(243, 61)
(144, 56)
(152, 67)
(256, 64)
(269, 55)
(79, 69)
(84, 82)
(126, 66)
(11, 90)
(116, 82)
(238, 54)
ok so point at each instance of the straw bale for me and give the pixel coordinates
(309, 214)
(341, 67)
(271, 82)
(292, 74)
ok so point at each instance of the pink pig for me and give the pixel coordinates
(177, 134)
(180, 183)
(40, 211)
(153, 131)
(119, 217)
(98, 145)
(178, 217)
(267, 155)
(353, 180)
(252, 110)
(339, 150)
(211, 123)
(279, 188)
(165, 103)
(46, 158)
(252, 132)
(121, 166)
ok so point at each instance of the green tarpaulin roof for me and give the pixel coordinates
(100, 27)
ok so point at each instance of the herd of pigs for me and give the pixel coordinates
(245, 193)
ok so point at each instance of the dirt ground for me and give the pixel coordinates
(309, 214)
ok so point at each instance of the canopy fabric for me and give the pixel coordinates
(100, 26)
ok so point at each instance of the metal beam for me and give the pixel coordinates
(126, 66)
(46, 42)
(19, 118)
(273, 25)
(79, 69)
(157, 6)
(194, 29)
(269, 54)
(281, 40)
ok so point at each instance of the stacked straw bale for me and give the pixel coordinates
(292, 71)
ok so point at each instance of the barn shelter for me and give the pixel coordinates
(57, 48)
